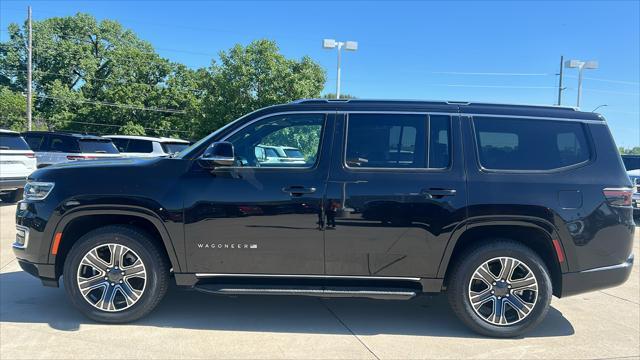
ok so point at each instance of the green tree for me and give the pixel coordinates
(252, 77)
(629, 151)
(12, 109)
(82, 70)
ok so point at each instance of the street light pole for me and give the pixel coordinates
(332, 44)
(338, 79)
(581, 65)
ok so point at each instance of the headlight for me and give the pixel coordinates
(37, 190)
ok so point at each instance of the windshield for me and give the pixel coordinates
(98, 146)
(171, 148)
(12, 142)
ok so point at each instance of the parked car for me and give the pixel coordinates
(497, 206)
(144, 146)
(269, 154)
(59, 147)
(17, 161)
(634, 176)
(631, 162)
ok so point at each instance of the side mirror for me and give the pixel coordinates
(218, 154)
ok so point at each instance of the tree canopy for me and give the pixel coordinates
(96, 76)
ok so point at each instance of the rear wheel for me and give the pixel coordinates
(500, 289)
(115, 274)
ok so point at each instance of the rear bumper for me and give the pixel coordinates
(45, 272)
(12, 183)
(595, 279)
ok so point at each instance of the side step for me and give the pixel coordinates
(319, 291)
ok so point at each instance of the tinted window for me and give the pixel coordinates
(121, 144)
(293, 153)
(140, 146)
(97, 146)
(520, 144)
(386, 141)
(12, 142)
(302, 131)
(439, 141)
(63, 144)
(171, 148)
(34, 141)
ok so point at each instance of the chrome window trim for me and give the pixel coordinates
(205, 275)
(325, 113)
(588, 138)
(427, 139)
(26, 238)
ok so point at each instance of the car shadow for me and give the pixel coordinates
(24, 300)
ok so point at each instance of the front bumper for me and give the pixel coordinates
(45, 272)
(12, 183)
(595, 279)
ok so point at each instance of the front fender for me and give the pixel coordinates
(127, 210)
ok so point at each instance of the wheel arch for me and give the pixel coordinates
(538, 235)
(77, 223)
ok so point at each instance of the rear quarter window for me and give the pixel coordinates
(12, 142)
(530, 145)
(140, 146)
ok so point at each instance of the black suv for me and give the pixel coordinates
(498, 206)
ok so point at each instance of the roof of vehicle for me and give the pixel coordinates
(4, 131)
(62, 133)
(477, 108)
(148, 138)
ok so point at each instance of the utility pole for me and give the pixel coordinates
(29, 51)
(560, 81)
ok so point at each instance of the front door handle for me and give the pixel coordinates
(438, 193)
(298, 190)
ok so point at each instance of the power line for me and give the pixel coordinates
(107, 125)
(123, 106)
(489, 73)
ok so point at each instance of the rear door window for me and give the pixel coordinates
(524, 144)
(35, 141)
(171, 148)
(121, 144)
(140, 146)
(12, 142)
(398, 141)
(65, 144)
(97, 146)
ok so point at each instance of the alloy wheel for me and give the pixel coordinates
(111, 277)
(503, 291)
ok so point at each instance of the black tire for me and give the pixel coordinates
(458, 286)
(12, 197)
(155, 263)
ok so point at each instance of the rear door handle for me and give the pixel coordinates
(298, 190)
(438, 193)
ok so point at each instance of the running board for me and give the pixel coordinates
(326, 291)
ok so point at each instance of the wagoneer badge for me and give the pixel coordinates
(226, 246)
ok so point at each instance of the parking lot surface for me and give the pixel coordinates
(39, 322)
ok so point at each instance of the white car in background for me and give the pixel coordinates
(17, 161)
(270, 154)
(145, 146)
(59, 147)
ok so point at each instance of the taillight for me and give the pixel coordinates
(31, 155)
(618, 196)
(80, 157)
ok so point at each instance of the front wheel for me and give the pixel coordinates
(500, 289)
(115, 274)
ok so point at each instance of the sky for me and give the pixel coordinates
(505, 52)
